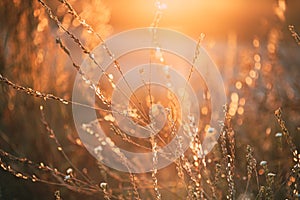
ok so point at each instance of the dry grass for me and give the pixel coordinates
(255, 158)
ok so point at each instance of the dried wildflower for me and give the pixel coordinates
(293, 149)
(295, 35)
(271, 174)
(91, 56)
(69, 171)
(67, 178)
(278, 135)
(216, 180)
(287, 136)
(84, 77)
(251, 166)
(154, 170)
(104, 188)
(227, 139)
(70, 182)
(57, 195)
(263, 163)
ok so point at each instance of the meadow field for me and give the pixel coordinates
(45, 47)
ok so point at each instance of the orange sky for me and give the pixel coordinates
(194, 16)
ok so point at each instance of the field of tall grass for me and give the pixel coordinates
(42, 46)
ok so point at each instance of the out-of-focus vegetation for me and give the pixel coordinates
(256, 157)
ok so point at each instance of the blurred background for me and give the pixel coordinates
(249, 41)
